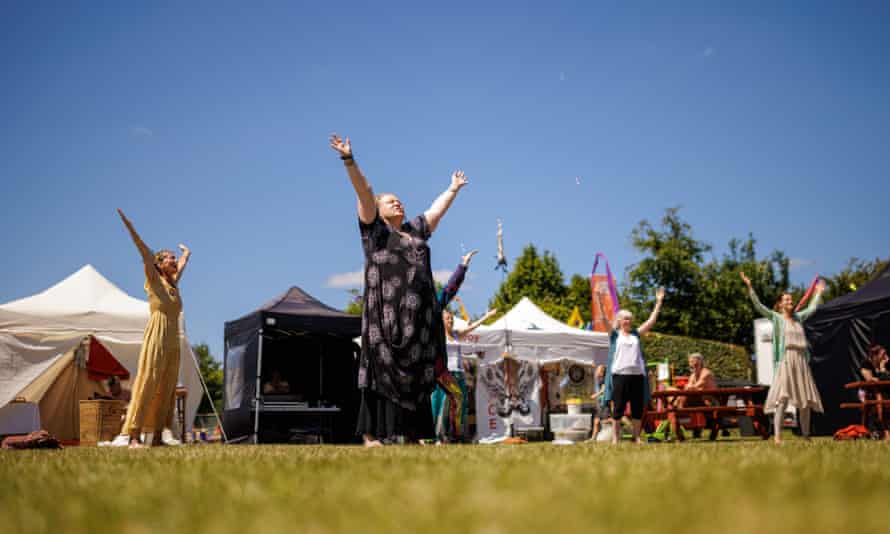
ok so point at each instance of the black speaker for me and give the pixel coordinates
(746, 426)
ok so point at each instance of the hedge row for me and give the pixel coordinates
(727, 361)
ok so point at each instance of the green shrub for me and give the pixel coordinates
(727, 361)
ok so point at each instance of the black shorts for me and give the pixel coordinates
(602, 412)
(627, 388)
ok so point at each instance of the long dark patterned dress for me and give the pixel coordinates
(402, 333)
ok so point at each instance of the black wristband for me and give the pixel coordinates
(346, 158)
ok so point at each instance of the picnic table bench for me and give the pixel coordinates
(714, 404)
(873, 388)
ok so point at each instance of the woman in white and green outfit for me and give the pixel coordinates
(792, 380)
(626, 381)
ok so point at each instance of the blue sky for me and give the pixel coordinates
(207, 123)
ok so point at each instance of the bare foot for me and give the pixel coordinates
(135, 445)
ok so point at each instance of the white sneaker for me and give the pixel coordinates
(118, 441)
(168, 439)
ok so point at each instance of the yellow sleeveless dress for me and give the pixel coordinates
(154, 389)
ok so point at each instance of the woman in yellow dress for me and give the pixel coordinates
(154, 388)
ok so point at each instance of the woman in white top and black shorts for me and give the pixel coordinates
(626, 372)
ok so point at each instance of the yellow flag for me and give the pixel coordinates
(575, 319)
(463, 311)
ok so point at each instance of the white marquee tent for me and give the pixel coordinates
(536, 336)
(36, 331)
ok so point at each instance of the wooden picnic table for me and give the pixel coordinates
(713, 405)
(875, 398)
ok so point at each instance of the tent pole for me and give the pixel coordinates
(209, 397)
(321, 370)
(257, 404)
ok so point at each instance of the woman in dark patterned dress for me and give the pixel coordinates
(403, 339)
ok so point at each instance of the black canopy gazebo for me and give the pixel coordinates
(839, 334)
(310, 347)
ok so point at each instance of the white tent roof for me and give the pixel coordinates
(86, 300)
(526, 316)
(537, 336)
(36, 330)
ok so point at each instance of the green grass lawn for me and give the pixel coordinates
(727, 486)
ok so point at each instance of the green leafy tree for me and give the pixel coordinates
(537, 277)
(212, 372)
(354, 306)
(724, 313)
(673, 260)
(578, 294)
(705, 298)
(855, 275)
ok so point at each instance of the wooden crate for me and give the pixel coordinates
(100, 420)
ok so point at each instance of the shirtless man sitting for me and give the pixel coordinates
(700, 377)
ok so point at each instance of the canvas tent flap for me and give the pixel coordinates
(25, 357)
(104, 367)
(34, 391)
(58, 391)
(36, 330)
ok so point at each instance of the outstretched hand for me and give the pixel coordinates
(465, 260)
(184, 249)
(820, 286)
(124, 218)
(745, 279)
(458, 180)
(490, 313)
(344, 148)
(146, 253)
(659, 294)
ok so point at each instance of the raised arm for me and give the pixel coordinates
(450, 290)
(184, 255)
(763, 310)
(148, 259)
(867, 375)
(477, 323)
(650, 322)
(435, 213)
(804, 314)
(367, 206)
